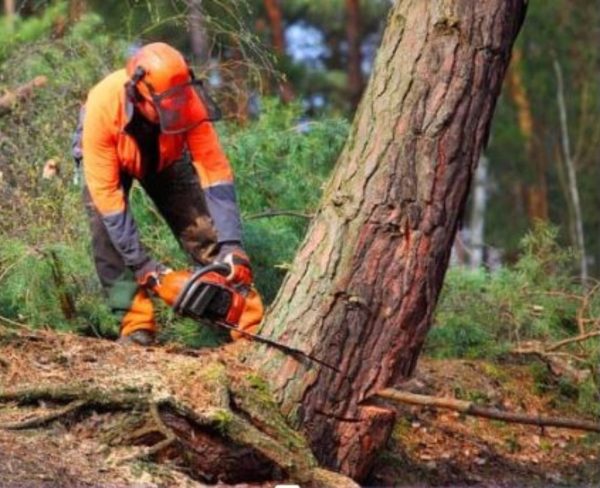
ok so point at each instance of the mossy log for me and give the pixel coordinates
(204, 412)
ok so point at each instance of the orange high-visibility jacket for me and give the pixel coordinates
(108, 151)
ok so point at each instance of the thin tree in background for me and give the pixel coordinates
(477, 221)
(76, 10)
(363, 286)
(536, 193)
(9, 13)
(353, 36)
(275, 16)
(198, 36)
(571, 173)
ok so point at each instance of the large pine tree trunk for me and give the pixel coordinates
(364, 285)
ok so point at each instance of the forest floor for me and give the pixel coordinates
(428, 447)
(444, 448)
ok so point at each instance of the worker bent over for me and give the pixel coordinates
(150, 123)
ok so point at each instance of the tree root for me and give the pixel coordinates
(44, 419)
(208, 416)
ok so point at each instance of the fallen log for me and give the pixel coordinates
(469, 408)
(11, 98)
(204, 413)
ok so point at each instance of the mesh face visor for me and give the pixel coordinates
(184, 106)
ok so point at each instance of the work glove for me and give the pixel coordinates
(150, 273)
(233, 254)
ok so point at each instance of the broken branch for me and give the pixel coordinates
(10, 99)
(469, 408)
(571, 340)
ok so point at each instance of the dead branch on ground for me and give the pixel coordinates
(469, 408)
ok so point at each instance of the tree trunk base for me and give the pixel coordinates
(204, 414)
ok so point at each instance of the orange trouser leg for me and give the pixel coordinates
(251, 316)
(140, 315)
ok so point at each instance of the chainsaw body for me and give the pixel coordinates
(204, 294)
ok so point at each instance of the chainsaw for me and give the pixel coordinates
(207, 295)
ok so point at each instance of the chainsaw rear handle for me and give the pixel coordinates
(208, 294)
(221, 268)
(224, 269)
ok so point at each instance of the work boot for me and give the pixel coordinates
(139, 337)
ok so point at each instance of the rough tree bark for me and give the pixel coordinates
(364, 285)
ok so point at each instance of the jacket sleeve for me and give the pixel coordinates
(216, 178)
(102, 178)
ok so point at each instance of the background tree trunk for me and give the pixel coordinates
(76, 10)
(571, 173)
(198, 35)
(364, 285)
(477, 221)
(536, 193)
(9, 12)
(276, 24)
(355, 78)
(275, 15)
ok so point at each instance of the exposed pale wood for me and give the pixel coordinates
(469, 408)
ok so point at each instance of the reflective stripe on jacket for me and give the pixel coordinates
(109, 151)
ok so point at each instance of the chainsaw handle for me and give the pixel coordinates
(220, 267)
(223, 269)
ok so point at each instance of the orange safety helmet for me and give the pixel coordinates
(160, 74)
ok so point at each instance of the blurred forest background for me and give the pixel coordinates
(289, 75)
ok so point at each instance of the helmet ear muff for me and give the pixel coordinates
(131, 86)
